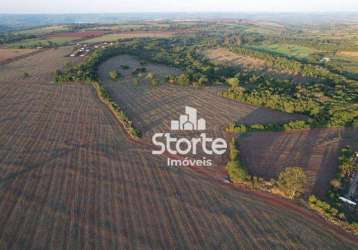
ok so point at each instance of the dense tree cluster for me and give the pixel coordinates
(114, 74)
(325, 111)
(12, 37)
(244, 128)
(293, 66)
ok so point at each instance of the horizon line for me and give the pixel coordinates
(183, 12)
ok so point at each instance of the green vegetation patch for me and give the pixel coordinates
(42, 42)
(288, 50)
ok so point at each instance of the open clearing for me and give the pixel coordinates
(69, 178)
(223, 55)
(353, 54)
(226, 57)
(7, 54)
(44, 30)
(317, 150)
(39, 67)
(42, 42)
(289, 50)
(129, 35)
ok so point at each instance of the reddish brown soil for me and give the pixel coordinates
(70, 179)
(353, 54)
(316, 150)
(40, 66)
(6, 55)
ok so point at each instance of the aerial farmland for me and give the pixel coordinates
(80, 115)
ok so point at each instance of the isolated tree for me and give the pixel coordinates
(114, 74)
(233, 82)
(125, 66)
(200, 82)
(136, 80)
(183, 80)
(292, 182)
(335, 183)
(172, 79)
(152, 79)
(203, 81)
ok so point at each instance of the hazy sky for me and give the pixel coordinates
(89, 6)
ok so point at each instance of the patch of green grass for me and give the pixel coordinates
(41, 42)
(346, 64)
(44, 30)
(288, 50)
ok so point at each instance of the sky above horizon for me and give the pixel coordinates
(112, 6)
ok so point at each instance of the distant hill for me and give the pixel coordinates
(29, 20)
(4, 28)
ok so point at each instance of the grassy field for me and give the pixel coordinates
(288, 50)
(127, 35)
(70, 178)
(346, 61)
(42, 42)
(226, 57)
(44, 30)
(266, 28)
(58, 39)
(223, 55)
(126, 27)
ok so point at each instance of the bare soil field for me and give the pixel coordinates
(70, 179)
(353, 54)
(152, 108)
(223, 55)
(317, 150)
(38, 67)
(7, 54)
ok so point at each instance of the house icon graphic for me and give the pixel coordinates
(189, 121)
